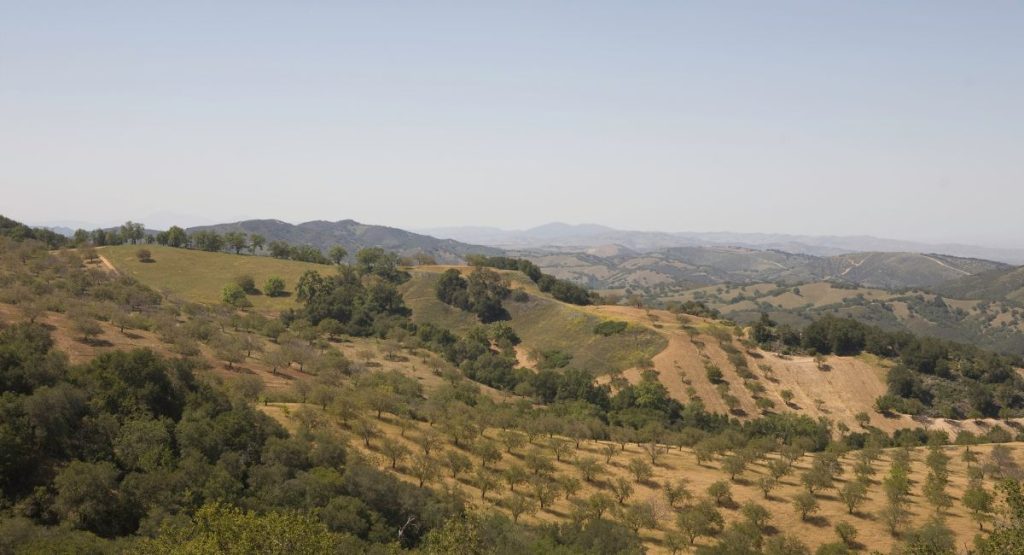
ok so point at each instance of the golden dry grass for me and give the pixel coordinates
(680, 464)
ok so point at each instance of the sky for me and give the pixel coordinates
(893, 119)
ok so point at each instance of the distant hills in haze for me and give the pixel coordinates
(560, 236)
(660, 264)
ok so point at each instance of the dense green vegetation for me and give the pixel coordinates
(482, 293)
(565, 291)
(19, 231)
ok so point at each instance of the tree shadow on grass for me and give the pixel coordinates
(818, 521)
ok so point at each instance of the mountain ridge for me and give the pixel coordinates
(353, 236)
(591, 235)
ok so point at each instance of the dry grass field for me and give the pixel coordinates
(838, 391)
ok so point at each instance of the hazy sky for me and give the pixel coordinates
(897, 119)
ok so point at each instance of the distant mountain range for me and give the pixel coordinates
(661, 264)
(665, 272)
(353, 236)
(560, 236)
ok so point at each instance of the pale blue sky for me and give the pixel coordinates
(899, 119)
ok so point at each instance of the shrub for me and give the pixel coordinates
(235, 296)
(144, 255)
(610, 327)
(274, 287)
(246, 282)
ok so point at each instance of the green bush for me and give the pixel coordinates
(610, 327)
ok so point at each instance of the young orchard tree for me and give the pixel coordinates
(608, 450)
(817, 478)
(935, 492)
(640, 515)
(622, 489)
(423, 468)
(538, 463)
(846, 532)
(779, 468)
(487, 451)
(394, 450)
(514, 475)
(895, 516)
(86, 326)
(365, 429)
(511, 440)
(853, 493)
(756, 514)
(455, 462)
(766, 484)
(641, 470)
(484, 480)
(704, 451)
(519, 504)
(589, 468)
(570, 486)
(733, 465)
(677, 493)
(805, 504)
(699, 520)
(720, 492)
(979, 502)
(545, 491)
(653, 450)
(560, 447)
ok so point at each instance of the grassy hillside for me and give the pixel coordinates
(674, 465)
(353, 236)
(368, 415)
(996, 285)
(655, 274)
(543, 324)
(201, 276)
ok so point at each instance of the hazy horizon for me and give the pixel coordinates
(892, 121)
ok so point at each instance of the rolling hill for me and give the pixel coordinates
(578, 237)
(994, 325)
(353, 236)
(1005, 284)
(678, 350)
(404, 411)
(616, 267)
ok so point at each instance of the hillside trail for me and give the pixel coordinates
(855, 265)
(107, 265)
(941, 263)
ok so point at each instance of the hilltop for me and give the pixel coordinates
(353, 236)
